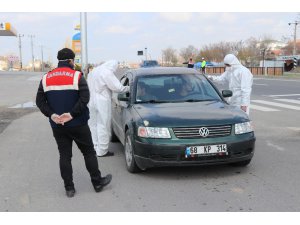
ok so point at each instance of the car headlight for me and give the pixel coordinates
(154, 132)
(242, 128)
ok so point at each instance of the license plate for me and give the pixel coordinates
(220, 149)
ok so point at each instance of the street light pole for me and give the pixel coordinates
(20, 49)
(295, 35)
(146, 53)
(83, 34)
(31, 37)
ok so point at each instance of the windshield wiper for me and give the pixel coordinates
(200, 100)
(153, 101)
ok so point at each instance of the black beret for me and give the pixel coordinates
(65, 53)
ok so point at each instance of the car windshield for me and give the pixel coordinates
(174, 88)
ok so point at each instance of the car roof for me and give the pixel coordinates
(164, 70)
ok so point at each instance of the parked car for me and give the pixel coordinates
(209, 64)
(183, 120)
(197, 65)
(149, 63)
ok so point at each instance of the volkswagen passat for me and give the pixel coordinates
(177, 117)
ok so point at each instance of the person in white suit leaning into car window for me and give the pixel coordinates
(102, 82)
(240, 81)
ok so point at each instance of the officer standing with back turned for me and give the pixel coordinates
(63, 96)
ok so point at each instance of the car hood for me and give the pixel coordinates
(190, 114)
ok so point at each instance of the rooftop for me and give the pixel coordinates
(7, 30)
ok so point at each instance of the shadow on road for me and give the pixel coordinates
(7, 115)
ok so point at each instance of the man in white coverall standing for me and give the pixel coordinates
(240, 81)
(102, 82)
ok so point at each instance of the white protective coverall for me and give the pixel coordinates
(102, 82)
(240, 81)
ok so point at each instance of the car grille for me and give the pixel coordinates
(193, 132)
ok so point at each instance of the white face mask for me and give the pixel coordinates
(229, 68)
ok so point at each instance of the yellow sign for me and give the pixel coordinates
(77, 27)
(76, 46)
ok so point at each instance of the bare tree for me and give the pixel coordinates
(188, 52)
(250, 52)
(215, 52)
(288, 50)
(170, 57)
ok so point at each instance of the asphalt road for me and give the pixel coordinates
(30, 178)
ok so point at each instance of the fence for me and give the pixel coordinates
(273, 71)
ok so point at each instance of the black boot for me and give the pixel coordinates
(70, 193)
(104, 181)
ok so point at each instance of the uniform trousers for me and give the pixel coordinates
(81, 135)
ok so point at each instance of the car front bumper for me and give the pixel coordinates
(161, 153)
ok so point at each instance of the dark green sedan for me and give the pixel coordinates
(177, 117)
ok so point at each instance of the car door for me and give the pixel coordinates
(118, 108)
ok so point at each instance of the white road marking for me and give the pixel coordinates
(261, 84)
(283, 95)
(297, 129)
(24, 105)
(288, 100)
(261, 108)
(35, 78)
(277, 104)
(277, 79)
(275, 146)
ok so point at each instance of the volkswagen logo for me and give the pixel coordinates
(203, 131)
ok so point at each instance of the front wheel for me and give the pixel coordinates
(129, 155)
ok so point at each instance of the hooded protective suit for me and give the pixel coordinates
(240, 81)
(102, 82)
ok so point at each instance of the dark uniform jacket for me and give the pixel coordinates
(64, 90)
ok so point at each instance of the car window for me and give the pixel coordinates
(174, 88)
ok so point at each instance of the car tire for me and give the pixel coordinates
(113, 137)
(241, 163)
(129, 154)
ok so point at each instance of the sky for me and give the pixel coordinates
(117, 29)
(119, 35)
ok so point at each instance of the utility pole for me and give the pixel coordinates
(146, 53)
(20, 49)
(42, 64)
(263, 51)
(31, 38)
(295, 35)
(83, 34)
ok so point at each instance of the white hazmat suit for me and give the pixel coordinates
(102, 82)
(239, 79)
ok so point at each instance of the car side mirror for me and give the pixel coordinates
(123, 97)
(226, 93)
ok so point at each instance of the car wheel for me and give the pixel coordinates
(113, 137)
(241, 163)
(129, 155)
